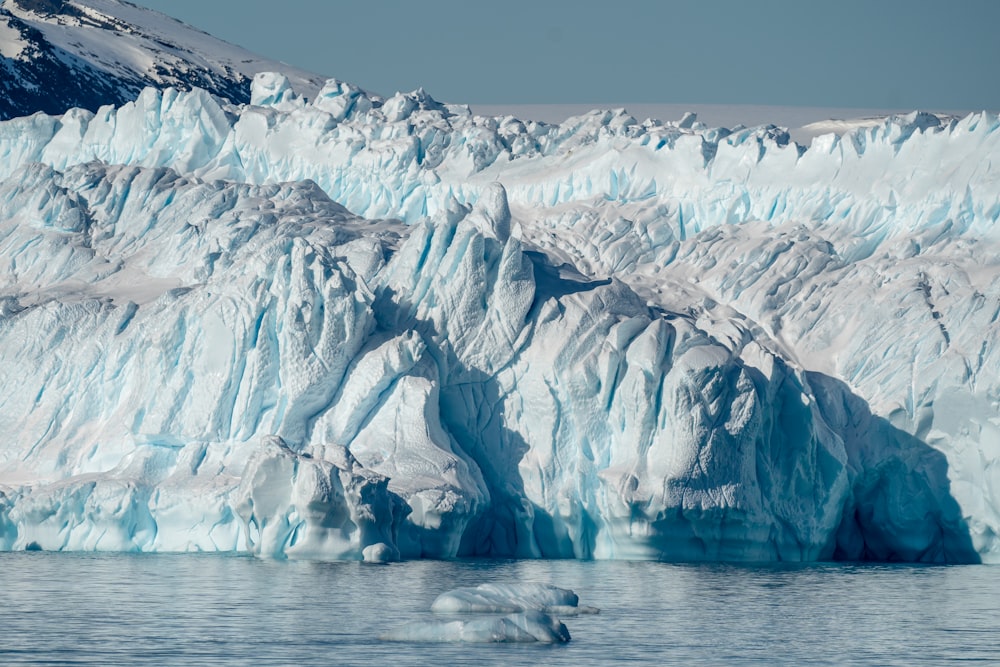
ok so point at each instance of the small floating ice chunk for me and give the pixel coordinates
(528, 626)
(510, 598)
(380, 553)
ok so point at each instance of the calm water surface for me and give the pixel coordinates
(84, 609)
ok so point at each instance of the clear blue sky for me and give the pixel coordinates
(831, 53)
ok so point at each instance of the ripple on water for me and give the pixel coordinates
(91, 609)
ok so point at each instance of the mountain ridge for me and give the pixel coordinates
(59, 54)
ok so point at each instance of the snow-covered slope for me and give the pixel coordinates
(598, 339)
(59, 54)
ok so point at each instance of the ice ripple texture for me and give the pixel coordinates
(358, 327)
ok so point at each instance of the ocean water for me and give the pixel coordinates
(100, 609)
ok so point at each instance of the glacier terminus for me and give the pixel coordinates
(354, 327)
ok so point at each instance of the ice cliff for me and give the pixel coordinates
(353, 327)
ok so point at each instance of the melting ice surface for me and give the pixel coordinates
(362, 328)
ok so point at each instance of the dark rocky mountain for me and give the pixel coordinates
(59, 54)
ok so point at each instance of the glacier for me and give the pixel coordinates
(362, 328)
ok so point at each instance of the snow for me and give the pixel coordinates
(11, 45)
(125, 39)
(354, 328)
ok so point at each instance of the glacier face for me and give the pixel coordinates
(374, 328)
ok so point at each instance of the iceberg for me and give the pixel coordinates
(509, 598)
(528, 626)
(356, 328)
(520, 613)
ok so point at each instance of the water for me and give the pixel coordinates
(86, 609)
